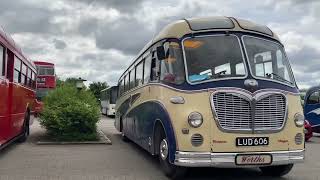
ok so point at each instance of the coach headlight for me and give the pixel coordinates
(299, 119)
(195, 119)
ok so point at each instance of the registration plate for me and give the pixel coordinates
(253, 159)
(252, 141)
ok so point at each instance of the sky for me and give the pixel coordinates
(97, 39)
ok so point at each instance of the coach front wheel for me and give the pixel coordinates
(172, 171)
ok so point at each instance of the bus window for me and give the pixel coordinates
(147, 69)
(240, 69)
(126, 88)
(139, 74)
(34, 76)
(217, 55)
(45, 70)
(2, 62)
(313, 98)
(172, 70)
(267, 60)
(29, 78)
(121, 87)
(132, 79)
(17, 68)
(154, 68)
(23, 74)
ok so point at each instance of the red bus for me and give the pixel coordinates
(46, 79)
(17, 91)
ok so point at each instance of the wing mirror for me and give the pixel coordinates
(161, 53)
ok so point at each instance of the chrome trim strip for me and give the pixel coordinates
(206, 89)
(219, 79)
(293, 85)
(208, 159)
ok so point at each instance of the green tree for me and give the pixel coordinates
(71, 81)
(97, 87)
(59, 82)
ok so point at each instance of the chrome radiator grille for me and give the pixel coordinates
(233, 112)
(240, 112)
(270, 112)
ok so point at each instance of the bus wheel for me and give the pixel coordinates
(26, 129)
(170, 170)
(123, 136)
(276, 171)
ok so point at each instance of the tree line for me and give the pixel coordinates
(94, 87)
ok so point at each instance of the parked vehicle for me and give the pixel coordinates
(312, 108)
(308, 130)
(213, 92)
(108, 100)
(17, 90)
(46, 80)
(302, 96)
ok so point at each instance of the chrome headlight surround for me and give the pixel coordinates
(195, 119)
(299, 119)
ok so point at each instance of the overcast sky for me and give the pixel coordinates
(96, 39)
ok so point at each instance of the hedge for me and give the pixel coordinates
(70, 114)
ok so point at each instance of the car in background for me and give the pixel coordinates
(307, 130)
(311, 108)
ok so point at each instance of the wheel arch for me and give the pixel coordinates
(164, 121)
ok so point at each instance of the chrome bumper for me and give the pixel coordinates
(207, 159)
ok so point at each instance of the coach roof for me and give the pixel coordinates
(180, 28)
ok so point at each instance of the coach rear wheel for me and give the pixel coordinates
(26, 129)
(123, 136)
(170, 170)
(276, 171)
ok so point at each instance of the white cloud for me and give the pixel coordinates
(101, 37)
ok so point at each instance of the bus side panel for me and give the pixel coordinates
(4, 118)
(19, 104)
(144, 117)
(122, 110)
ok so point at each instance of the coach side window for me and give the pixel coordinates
(172, 69)
(147, 68)
(17, 69)
(2, 62)
(132, 78)
(139, 74)
(126, 88)
(155, 69)
(121, 86)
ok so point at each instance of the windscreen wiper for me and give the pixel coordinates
(278, 76)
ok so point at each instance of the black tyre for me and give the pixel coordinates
(123, 136)
(276, 171)
(170, 170)
(26, 129)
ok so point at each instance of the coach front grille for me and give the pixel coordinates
(243, 112)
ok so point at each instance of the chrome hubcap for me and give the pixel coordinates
(164, 149)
